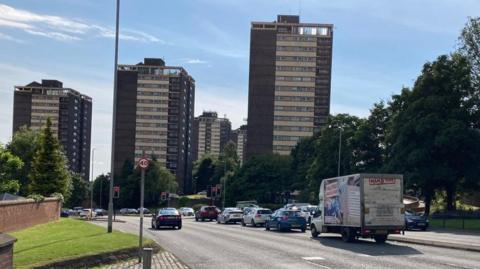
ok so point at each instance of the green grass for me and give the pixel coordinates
(470, 224)
(196, 196)
(65, 239)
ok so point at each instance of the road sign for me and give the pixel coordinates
(116, 192)
(143, 163)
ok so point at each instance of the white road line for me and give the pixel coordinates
(364, 255)
(313, 258)
(318, 265)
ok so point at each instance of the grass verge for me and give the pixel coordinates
(66, 239)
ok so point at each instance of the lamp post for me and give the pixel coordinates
(339, 149)
(91, 181)
(114, 117)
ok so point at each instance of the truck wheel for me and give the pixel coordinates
(314, 231)
(267, 227)
(243, 223)
(348, 235)
(253, 223)
(380, 238)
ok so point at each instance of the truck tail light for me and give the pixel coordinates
(396, 232)
(366, 232)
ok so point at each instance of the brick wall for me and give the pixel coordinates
(6, 251)
(17, 215)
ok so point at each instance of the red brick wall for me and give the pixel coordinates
(6, 257)
(17, 215)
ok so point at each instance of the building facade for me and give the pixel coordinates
(289, 83)
(211, 134)
(239, 137)
(154, 109)
(69, 111)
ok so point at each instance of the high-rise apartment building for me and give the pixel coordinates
(155, 115)
(211, 134)
(239, 137)
(69, 111)
(289, 83)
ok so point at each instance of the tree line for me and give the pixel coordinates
(429, 132)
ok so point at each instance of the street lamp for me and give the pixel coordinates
(339, 149)
(91, 181)
(114, 117)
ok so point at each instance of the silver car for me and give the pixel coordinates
(230, 215)
(186, 211)
(257, 216)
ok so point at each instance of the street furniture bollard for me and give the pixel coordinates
(147, 258)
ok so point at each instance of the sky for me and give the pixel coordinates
(379, 47)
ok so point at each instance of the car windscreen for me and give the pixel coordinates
(168, 212)
(264, 211)
(291, 213)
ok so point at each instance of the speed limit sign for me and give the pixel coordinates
(143, 163)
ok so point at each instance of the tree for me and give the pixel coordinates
(432, 139)
(10, 169)
(203, 171)
(49, 172)
(24, 144)
(263, 178)
(303, 156)
(101, 187)
(470, 46)
(79, 191)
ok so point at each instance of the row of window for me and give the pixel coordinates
(295, 48)
(293, 128)
(295, 68)
(294, 89)
(152, 109)
(295, 58)
(152, 93)
(296, 38)
(149, 148)
(293, 118)
(147, 77)
(156, 117)
(150, 101)
(282, 147)
(294, 98)
(147, 124)
(294, 108)
(150, 140)
(153, 85)
(299, 79)
(286, 138)
(39, 110)
(144, 132)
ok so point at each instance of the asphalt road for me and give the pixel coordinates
(212, 245)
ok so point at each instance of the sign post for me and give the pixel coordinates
(143, 163)
(116, 195)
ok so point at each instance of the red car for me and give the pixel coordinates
(207, 212)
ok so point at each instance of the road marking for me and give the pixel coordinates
(364, 255)
(313, 258)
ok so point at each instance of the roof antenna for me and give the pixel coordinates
(299, 8)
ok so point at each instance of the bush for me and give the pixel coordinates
(273, 207)
(36, 197)
(196, 207)
(182, 202)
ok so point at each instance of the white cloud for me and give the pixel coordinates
(195, 61)
(64, 29)
(10, 38)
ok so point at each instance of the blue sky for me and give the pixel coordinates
(379, 46)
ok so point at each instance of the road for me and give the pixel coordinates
(212, 245)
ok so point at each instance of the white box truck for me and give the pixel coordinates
(360, 205)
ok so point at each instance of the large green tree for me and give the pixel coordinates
(24, 144)
(203, 170)
(80, 191)
(49, 171)
(432, 138)
(101, 187)
(470, 47)
(10, 169)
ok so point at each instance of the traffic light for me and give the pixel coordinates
(209, 191)
(163, 196)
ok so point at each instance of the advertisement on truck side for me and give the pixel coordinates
(342, 201)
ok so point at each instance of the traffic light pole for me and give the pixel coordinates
(142, 192)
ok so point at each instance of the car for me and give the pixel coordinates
(168, 216)
(187, 211)
(207, 212)
(256, 216)
(415, 221)
(77, 210)
(100, 212)
(230, 215)
(126, 211)
(295, 206)
(145, 211)
(247, 210)
(87, 213)
(307, 211)
(286, 219)
(65, 213)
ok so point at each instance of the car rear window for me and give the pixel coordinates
(168, 212)
(264, 212)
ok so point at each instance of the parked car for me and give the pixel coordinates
(285, 219)
(207, 212)
(167, 217)
(230, 215)
(247, 210)
(415, 221)
(101, 212)
(256, 216)
(187, 211)
(87, 213)
(125, 211)
(145, 211)
(77, 210)
(65, 213)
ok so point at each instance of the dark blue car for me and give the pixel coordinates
(415, 221)
(168, 217)
(285, 219)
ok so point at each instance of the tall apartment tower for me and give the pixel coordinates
(289, 83)
(155, 116)
(239, 137)
(211, 134)
(69, 111)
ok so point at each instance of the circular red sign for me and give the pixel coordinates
(143, 163)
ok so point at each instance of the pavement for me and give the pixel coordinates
(162, 260)
(446, 238)
(211, 245)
